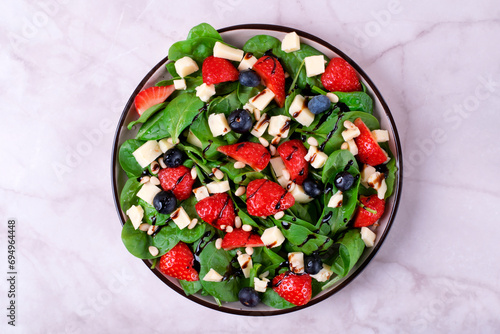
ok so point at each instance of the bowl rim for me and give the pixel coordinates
(396, 194)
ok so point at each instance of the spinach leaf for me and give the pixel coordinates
(351, 248)
(155, 128)
(225, 104)
(151, 215)
(171, 69)
(356, 101)
(127, 160)
(305, 211)
(128, 194)
(204, 30)
(336, 162)
(259, 44)
(201, 130)
(301, 239)
(180, 112)
(147, 114)
(226, 88)
(272, 299)
(197, 48)
(137, 242)
(292, 63)
(190, 287)
(391, 171)
(245, 93)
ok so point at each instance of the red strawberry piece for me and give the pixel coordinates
(217, 210)
(240, 238)
(271, 71)
(340, 76)
(292, 153)
(178, 263)
(365, 217)
(253, 154)
(178, 180)
(266, 198)
(152, 96)
(295, 288)
(369, 151)
(216, 70)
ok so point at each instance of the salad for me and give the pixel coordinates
(257, 174)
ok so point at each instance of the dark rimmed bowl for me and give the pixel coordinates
(237, 35)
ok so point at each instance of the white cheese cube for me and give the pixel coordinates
(247, 63)
(366, 173)
(311, 152)
(147, 153)
(336, 200)
(260, 127)
(278, 166)
(193, 140)
(368, 236)
(272, 237)
(315, 65)
(212, 276)
(148, 192)
(279, 126)
(225, 51)
(205, 92)
(299, 111)
(260, 285)
(296, 262)
(377, 181)
(250, 108)
(351, 146)
(218, 187)
(291, 42)
(324, 274)
(380, 136)
(200, 193)
(185, 66)
(135, 213)
(180, 84)
(165, 144)
(283, 181)
(181, 218)
(333, 98)
(300, 195)
(261, 100)
(218, 124)
(246, 264)
(315, 157)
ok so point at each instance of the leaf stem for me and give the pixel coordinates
(296, 76)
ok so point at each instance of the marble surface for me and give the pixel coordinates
(69, 66)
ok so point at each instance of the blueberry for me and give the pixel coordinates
(312, 188)
(312, 264)
(173, 158)
(249, 78)
(165, 202)
(344, 181)
(249, 297)
(240, 121)
(319, 104)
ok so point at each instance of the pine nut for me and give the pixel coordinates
(264, 274)
(222, 227)
(276, 140)
(153, 250)
(237, 222)
(162, 163)
(272, 148)
(154, 180)
(144, 227)
(240, 191)
(312, 141)
(218, 173)
(264, 141)
(194, 175)
(152, 229)
(333, 98)
(155, 167)
(249, 250)
(229, 229)
(256, 113)
(290, 186)
(239, 165)
(344, 146)
(349, 125)
(192, 224)
(279, 215)
(218, 243)
(145, 179)
(246, 227)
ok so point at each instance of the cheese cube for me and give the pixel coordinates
(148, 192)
(260, 285)
(377, 181)
(336, 200)
(278, 166)
(212, 276)
(193, 140)
(135, 213)
(315, 65)
(165, 144)
(261, 100)
(204, 91)
(225, 51)
(296, 262)
(291, 42)
(324, 274)
(185, 66)
(315, 157)
(246, 264)
(247, 63)
(272, 237)
(333, 98)
(147, 153)
(250, 108)
(180, 84)
(351, 146)
(283, 181)
(181, 218)
(366, 173)
(218, 124)
(279, 126)
(299, 111)
(260, 127)
(368, 236)
(200, 193)
(217, 187)
(300, 195)
(380, 135)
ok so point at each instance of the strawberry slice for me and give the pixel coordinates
(271, 71)
(217, 210)
(253, 154)
(294, 288)
(178, 180)
(240, 238)
(365, 217)
(293, 154)
(369, 151)
(216, 70)
(340, 76)
(178, 263)
(266, 198)
(152, 96)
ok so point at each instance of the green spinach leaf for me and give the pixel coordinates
(127, 160)
(180, 112)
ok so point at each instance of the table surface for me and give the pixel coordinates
(67, 69)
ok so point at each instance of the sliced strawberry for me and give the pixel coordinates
(271, 71)
(178, 180)
(216, 70)
(369, 151)
(217, 210)
(365, 217)
(294, 288)
(178, 263)
(240, 238)
(266, 198)
(152, 96)
(293, 154)
(340, 76)
(253, 154)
